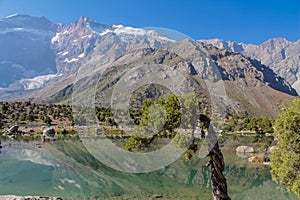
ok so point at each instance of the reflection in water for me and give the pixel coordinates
(34, 157)
(67, 169)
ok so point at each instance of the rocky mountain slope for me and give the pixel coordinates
(95, 54)
(250, 87)
(279, 54)
(38, 47)
(77, 42)
(25, 48)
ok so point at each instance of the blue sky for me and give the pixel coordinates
(250, 21)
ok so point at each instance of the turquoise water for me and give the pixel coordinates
(66, 169)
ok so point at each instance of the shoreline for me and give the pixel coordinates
(15, 197)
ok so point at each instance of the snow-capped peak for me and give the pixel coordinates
(117, 26)
(96, 27)
(125, 32)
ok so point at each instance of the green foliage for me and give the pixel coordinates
(182, 140)
(104, 115)
(23, 117)
(286, 160)
(47, 120)
(161, 114)
(72, 132)
(157, 117)
(34, 114)
(187, 156)
(30, 117)
(190, 110)
(244, 123)
(161, 117)
(110, 121)
(173, 111)
(4, 107)
(133, 143)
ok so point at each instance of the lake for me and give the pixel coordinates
(66, 169)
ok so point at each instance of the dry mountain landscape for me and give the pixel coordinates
(94, 54)
(279, 54)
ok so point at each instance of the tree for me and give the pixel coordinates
(30, 117)
(47, 120)
(216, 163)
(5, 107)
(190, 110)
(1, 121)
(186, 106)
(173, 111)
(266, 125)
(23, 117)
(157, 117)
(286, 159)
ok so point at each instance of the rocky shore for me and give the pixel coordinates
(13, 197)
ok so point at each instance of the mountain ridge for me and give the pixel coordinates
(249, 90)
(86, 46)
(281, 55)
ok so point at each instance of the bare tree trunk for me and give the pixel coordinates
(218, 181)
(217, 165)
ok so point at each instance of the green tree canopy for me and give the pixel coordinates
(161, 118)
(286, 160)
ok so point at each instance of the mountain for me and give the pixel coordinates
(279, 54)
(251, 88)
(38, 47)
(95, 54)
(76, 43)
(25, 48)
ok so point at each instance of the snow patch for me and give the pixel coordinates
(81, 55)
(105, 32)
(127, 33)
(129, 30)
(65, 53)
(296, 85)
(86, 36)
(55, 38)
(95, 27)
(65, 32)
(11, 16)
(117, 26)
(38, 82)
(72, 60)
(27, 73)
